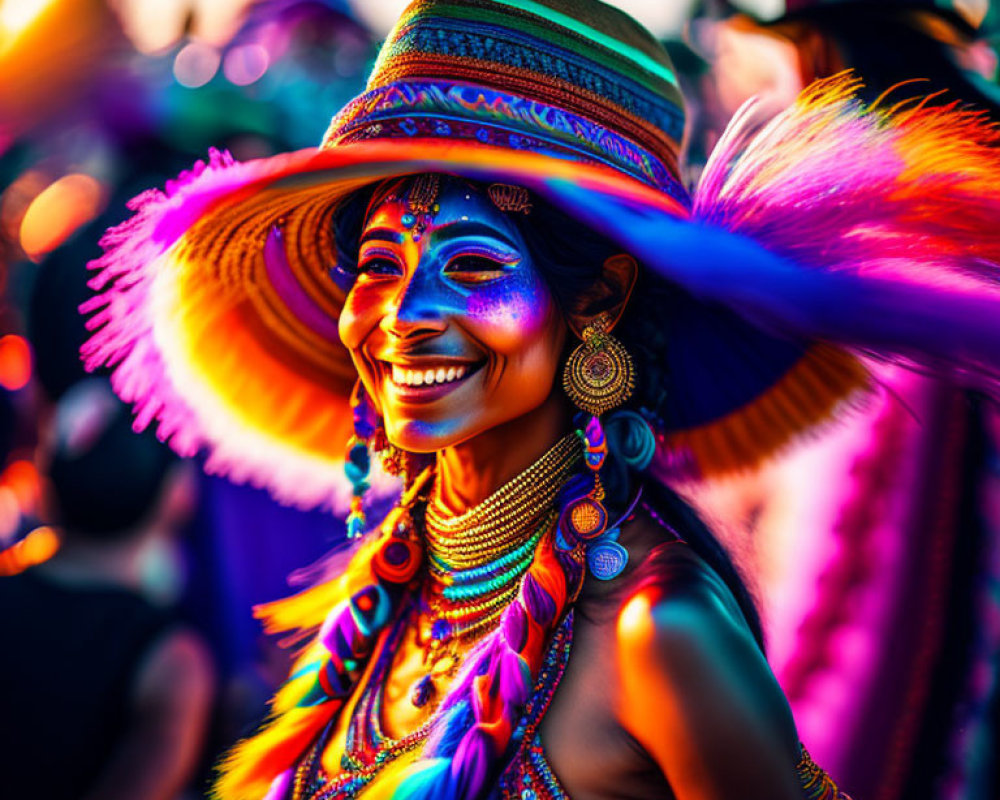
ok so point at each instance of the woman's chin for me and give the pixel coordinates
(423, 436)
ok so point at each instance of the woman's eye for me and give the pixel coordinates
(379, 266)
(475, 269)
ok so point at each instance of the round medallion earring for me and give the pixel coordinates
(600, 373)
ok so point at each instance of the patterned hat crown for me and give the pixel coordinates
(576, 79)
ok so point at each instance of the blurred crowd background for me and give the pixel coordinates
(129, 659)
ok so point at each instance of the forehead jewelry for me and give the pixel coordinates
(510, 198)
(421, 204)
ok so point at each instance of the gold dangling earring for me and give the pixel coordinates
(599, 374)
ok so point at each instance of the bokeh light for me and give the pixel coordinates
(660, 17)
(196, 64)
(15, 362)
(17, 15)
(246, 64)
(15, 200)
(22, 478)
(38, 546)
(157, 25)
(59, 211)
(10, 515)
(153, 26)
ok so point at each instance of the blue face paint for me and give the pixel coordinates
(453, 332)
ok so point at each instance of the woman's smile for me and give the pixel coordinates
(425, 380)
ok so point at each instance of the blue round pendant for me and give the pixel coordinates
(606, 560)
(422, 691)
(440, 630)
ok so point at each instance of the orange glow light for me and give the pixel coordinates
(38, 546)
(15, 362)
(10, 515)
(22, 478)
(58, 211)
(17, 15)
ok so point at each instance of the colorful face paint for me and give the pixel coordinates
(454, 332)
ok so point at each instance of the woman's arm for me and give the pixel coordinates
(697, 692)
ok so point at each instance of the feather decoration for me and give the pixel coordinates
(889, 215)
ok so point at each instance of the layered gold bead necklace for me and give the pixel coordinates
(476, 559)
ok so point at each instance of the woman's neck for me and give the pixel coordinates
(470, 472)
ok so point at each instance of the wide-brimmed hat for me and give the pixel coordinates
(217, 308)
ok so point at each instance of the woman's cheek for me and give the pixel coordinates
(511, 313)
(359, 317)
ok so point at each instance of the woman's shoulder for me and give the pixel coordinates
(697, 691)
(675, 605)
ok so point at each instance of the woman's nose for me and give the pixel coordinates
(418, 310)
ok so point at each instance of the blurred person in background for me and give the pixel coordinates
(104, 694)
(105, 99)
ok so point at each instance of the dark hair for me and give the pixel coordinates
(571, 257)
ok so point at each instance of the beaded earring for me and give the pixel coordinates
(357, 464)
(369, 436)
(599, 376)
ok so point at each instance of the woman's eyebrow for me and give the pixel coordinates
(460, 228)
(382, 234)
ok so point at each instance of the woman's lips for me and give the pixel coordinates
(426, 381)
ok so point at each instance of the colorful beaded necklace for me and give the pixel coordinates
(476, 562)
(527, 777)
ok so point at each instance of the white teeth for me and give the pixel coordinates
(428, 377)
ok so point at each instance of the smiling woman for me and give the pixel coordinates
(492, 273)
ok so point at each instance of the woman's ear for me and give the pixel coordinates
(609, 295)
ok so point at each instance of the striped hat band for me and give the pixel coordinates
(525, 74)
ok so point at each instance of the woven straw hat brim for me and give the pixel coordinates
(217, 308)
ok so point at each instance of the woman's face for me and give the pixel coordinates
(452, 330)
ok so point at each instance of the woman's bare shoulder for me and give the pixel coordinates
(677, 608)
(697, 691)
